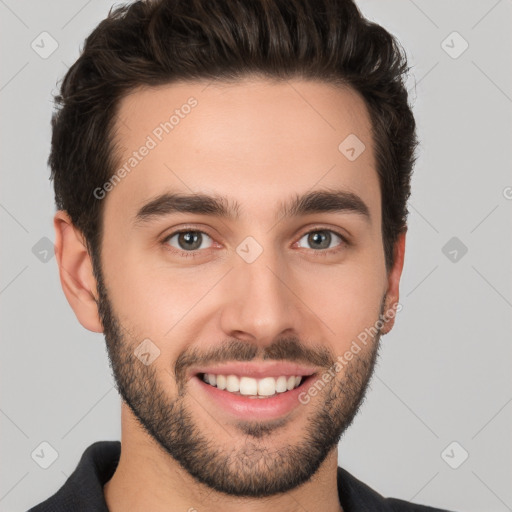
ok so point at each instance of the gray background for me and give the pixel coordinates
(444, 373)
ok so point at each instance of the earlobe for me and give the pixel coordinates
(393, 291)
(75, 271)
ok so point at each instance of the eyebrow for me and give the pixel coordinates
(319, 201)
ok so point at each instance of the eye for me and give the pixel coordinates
(187, 241)
(322, 239)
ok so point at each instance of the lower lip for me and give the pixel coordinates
(244, 407)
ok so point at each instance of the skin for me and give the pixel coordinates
(259, 143)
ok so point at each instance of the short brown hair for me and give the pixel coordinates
(161, 41)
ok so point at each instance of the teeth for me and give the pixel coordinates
(267, 386)
(281, 385)
(232, 383)
(248, 386)
(221, 381)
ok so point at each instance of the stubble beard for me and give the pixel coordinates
(249, 468)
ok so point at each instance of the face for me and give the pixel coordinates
(259, 282)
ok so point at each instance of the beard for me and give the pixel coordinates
(248, 469)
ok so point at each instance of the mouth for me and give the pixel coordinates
(252, 394)
(251, 387)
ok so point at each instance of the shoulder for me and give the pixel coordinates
(356, 496)
(83, 490)
(406, 506)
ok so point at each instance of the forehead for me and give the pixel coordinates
(250, 140)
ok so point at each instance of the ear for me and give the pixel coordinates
(75, 271)
(393, 294)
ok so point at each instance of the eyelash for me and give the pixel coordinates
(197, 252)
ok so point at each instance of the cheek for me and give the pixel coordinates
(158, 302)
(348, 300)
(161, 304)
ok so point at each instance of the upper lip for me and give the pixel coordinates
(256, 370)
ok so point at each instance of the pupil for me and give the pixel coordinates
(318, 236)
(190, 237)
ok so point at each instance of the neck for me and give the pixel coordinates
(148, 478)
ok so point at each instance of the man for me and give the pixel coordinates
(231, 181)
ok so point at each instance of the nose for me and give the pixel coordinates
(262, 301)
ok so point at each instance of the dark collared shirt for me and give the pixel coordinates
(83, 490)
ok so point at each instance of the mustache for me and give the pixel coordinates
(289, 349)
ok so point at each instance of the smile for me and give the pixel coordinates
(252, 387)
